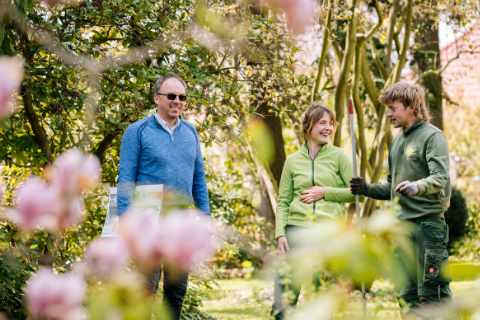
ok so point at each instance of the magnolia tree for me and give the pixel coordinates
(180, 241)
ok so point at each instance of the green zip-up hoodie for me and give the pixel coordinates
(331, 169)
(419, 154)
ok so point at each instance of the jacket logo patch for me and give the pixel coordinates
(410, 152)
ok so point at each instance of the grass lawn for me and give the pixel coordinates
(251, 300)
(239, 299)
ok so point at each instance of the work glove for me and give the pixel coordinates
(407, 188)
(358, 186)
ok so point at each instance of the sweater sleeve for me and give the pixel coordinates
(199, 188)
(127, 169)
(438, 164)
(285, 197)
(382, 191)
(342, 192)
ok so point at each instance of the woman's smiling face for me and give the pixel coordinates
(322, 130)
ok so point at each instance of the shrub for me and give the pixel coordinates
(456, 217)
(14, 272)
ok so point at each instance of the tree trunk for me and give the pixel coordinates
(426, 55)
(274, 124)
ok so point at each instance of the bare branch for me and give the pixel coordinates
(391, 31)
(47, 40)
(447, 64)
(379, 22)
(406, 41)
(449, 99)
(323, 53)
(341, 90)
(357, 103)
(39, 134)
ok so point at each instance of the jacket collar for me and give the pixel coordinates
(304, 149)
(413, 127)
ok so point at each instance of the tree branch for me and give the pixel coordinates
(391, 31)
(406, 40)
(379, 22)
(341, 90)
(323, 53)
(357, 103)
(440, 71)
(39, 134)
(105, 143)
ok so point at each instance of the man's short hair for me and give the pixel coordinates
(411, 95)
(314, 113)
(160, 80)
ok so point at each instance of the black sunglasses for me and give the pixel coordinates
(173, 96)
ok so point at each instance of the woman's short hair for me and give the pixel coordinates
(411, 95)
(314, 113)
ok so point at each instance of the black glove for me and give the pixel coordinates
(358, 186)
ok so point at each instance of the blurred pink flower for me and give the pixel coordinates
(106, 256)
(37, 206)
(74, 172)
(11, 70)
(300, 13)
(187, 239)
(80, 268)
(70, 213)
(55, 297)
(140, 230)
(182, 240)
(41, 206)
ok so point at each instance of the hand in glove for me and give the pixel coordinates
(358, 186)
(407, 188)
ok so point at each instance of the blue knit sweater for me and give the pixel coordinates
(150, 155)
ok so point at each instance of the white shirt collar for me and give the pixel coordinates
(165, 126)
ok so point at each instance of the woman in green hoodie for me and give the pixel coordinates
(314, 185)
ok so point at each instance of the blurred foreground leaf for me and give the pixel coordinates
(462, 271)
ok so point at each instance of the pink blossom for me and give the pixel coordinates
(106, 256)
(41, 206)
(37, 206)
(300, 14)
(187, 239)
(74, 172)
(70, 213)
(183, 239)
(55, 297)
(11, 71)
(140, 230)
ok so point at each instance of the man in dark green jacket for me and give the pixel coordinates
(419, 179)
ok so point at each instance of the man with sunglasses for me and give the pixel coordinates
(164, 149)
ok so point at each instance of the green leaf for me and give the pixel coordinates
(261, 140)
(462, 271)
